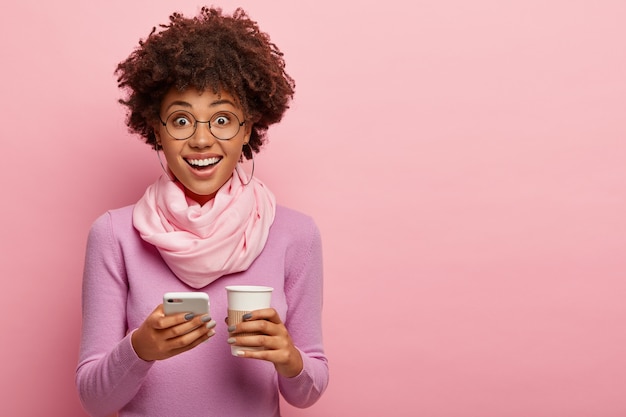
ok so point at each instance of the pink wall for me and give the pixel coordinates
(465, 161)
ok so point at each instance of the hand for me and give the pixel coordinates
(271, 335)
(161, 337)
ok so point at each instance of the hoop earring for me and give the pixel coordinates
(163, 166)
(252, 173)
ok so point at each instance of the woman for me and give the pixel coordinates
(202, 91)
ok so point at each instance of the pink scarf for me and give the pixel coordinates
(202, 243)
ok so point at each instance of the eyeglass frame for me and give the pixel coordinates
(196, 121)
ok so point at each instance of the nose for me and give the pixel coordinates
(202, 137)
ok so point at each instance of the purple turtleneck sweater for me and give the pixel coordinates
(125, 279)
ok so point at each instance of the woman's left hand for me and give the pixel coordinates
(272, 335)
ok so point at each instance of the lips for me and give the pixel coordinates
(200, 163)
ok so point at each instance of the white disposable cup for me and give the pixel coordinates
(243, 299)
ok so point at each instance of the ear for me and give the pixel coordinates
(157, 135)
(248, 132)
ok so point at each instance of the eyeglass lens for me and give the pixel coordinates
(223, 125)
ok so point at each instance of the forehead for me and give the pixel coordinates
(197, 100)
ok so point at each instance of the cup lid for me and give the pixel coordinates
(249, 288)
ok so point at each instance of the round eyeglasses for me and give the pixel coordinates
(181, 125)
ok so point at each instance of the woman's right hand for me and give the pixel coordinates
(161, 337)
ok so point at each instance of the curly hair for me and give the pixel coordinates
(210, 51)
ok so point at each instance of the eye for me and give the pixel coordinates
(181, 121)
(221, 120)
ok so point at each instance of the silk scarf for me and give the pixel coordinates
(202, 243)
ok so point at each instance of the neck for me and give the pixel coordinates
(200, 199)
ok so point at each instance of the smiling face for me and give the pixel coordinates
(201, 163)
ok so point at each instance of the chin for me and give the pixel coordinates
(201, 196)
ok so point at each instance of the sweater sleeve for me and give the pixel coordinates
(304, 289)
(109, 372)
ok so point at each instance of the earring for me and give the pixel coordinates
(252, 173)
(161, 162)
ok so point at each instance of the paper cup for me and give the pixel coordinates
(243, 299)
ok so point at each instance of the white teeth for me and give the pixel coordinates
(203, 162)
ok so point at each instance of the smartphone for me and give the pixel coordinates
(186, 302)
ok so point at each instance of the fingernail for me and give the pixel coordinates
(240, 353)
(211, 333)
(247, 316)
(230, 340)
(211, 325)
(205, 318)
(189, 316)
(232, 328)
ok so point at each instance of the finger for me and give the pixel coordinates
(265, 327)
(263, 314)
(162, 321)
(266, 355)
(189, 326)
(158, 320)
(190, 340)
(259, 341)
(245, 341)
(273, 355)
(253, 354)
(287, 361)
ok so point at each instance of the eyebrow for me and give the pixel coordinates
(213, 104)
(178, 103)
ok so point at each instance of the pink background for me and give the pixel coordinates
(465, 161)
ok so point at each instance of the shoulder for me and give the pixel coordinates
(117, 222)
(295, 232)
(288, 216)
(298, 238)
(293, 223)
(122, 215)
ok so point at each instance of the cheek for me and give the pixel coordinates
(158, 136)
(238, 150)
(171, 150)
